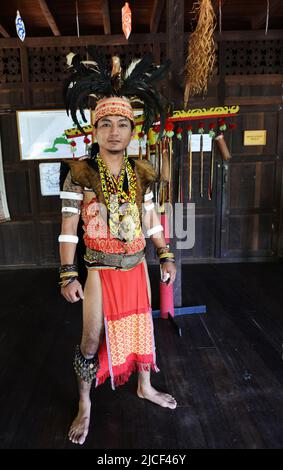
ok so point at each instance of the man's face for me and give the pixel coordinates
(113, 133)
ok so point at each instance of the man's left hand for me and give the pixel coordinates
(169, 268)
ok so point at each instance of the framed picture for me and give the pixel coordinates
(42, 137)
(49, 175)
(133, 147)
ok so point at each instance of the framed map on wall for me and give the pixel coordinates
(49, 175)
(41, 135)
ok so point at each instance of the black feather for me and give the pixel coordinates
(96, 80)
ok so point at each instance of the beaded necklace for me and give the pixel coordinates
(123, 213)
(112, 186)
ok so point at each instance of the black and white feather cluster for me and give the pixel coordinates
(95, 78)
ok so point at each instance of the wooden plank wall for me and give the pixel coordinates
(244, 220)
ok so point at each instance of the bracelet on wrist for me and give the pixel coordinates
(167, 255)
(66, 282)
(167, 260)
(162, 249)
(68, 273)
(66, 268)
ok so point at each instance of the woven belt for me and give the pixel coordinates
(117, 260)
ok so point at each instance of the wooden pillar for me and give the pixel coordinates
(175, 52)
(280, 171)
(32, 165)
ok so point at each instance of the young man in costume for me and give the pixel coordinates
(112, 193)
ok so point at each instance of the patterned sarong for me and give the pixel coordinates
(128, 345)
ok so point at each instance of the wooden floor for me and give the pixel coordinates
(226, 372)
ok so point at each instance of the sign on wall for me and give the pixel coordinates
(255, 137)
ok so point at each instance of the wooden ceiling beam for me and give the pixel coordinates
(106, 16)
(157, 10)
(258, 20)
(4, 32)
(49, 17)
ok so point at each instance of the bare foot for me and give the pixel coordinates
(79, 428)
(159, 398)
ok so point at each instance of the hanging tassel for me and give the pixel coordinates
(201, 51)
(179, 133)
(169, 128)
(20, 26)
(201, 132)
(180, 178)
(159, 149)
(86, 142)
(126, 20)
(140, 151)
(140, 136)
(190, 163)
(170, 186)
(165, 167)
(211, 172)
(73, 148)
(150, 143)
(147, 150)
(201, 165)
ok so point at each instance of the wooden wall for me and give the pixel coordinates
(244, 220)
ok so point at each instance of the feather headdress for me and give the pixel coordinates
(99, 79)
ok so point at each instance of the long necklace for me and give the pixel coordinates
(121, 215)
(112, 186)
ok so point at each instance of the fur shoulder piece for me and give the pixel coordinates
(80, 172)
(84, 175)
(146, 173)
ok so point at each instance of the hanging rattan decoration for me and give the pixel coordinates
(201, 51)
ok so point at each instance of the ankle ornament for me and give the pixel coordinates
(85, 368)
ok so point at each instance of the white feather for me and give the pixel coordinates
(91, 62)
(131, 67)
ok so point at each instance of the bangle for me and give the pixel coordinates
(66, 268)
(153, 230)
(162, 249)
(167, 260)
(68, 238)
(67, 273)
(167, 255)
(66, 282)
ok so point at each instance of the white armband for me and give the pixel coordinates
(68, 238)
(148, 196)
(71, 195)
(149, 207)
(71, 209)
(155, 229)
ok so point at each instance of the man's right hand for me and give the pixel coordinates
(73, 292)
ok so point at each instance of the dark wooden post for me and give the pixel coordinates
(175, 52)
(280, 172)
